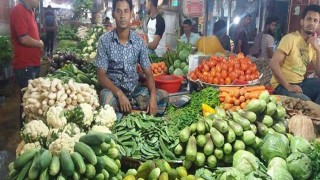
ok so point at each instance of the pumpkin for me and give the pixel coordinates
(300, 125)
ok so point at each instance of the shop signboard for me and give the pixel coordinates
(195, 8)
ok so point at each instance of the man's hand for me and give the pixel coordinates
(313, 41)
(124, 102)
(152, 107)
(41, 44)
(294, 88)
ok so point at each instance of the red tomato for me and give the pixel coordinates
(218, 75)
(244, 66)
(253, 67)
(230, 69)
(242, 78)
(228, 81)
(241, 72)
(236, 66)
(215, 80)
(224, 74)
(247, 76)
(218, 68)
(221, 81)
(233, 76)
(206, 68)
(224, 66)
(205, 73)
(212, 73)
(210, 80)
(248, 71)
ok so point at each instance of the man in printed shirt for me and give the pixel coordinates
(27, 46)
(295, 51)
(118, 53)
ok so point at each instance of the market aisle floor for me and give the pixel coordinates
(9, 126)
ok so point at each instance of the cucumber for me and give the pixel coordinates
(99, 176)
(254, 106)
(238, 130)
(54, 166)
(35, 167)
(279, 127)
(244, 123)
(265, 96)
(104, 147)
(238, 145)
(44, 175)
(263, 106)
(217, 137)
(262, 129)
(61, 177)
(90, 171)
(76, 176)
(111, 165)
(228, 158)
(279, 113)
(191, 149)
(193, 128)
(78, 161)
(251, 116)
(209, 147)
(67, 166)
(230, 136)
(105, 173)
(220, 111)
(178, 150)
(93, 138)
(201, 128)
(257, 143)
(200, 159)
(218, 152)
(185, 134)
(221, 125)
(253, 128)
(201, 140)
(100, 164)
(187, 164)
(24, 170)
(212, 161)
(45, 159)
(267, 120)
(271, 108)
(22, 160)
(96, 150)
(248, 137)
(84, 79)
(227, 148)
(86, 152)
(113, 152)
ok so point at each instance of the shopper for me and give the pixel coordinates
(295, 51)
(50, 29)
(27, 46)
(220, 30)
(189, 36)
(117, 55)
(156, 29)
(264, 42)
(241, 36)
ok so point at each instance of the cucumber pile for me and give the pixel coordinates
(159, 169)
(213, 140)
(95, 156)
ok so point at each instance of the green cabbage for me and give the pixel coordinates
(245, 161)
(277, 162)
(178, 72)
(279, 173)
(229, 174)
(300, 144)
(258, 175)
(299, 165)
(274, 145)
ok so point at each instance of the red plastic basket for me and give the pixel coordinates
(170, 83)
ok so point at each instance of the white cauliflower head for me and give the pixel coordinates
(88, 114)
(28, 146)
(102, 129)
(55, 117)
(106, 116)
(63, 141)
(34, 130)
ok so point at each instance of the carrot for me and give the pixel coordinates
(223, 94)
(237, 102)
(243, 105)
(227, 106)
(228, 89)
(242, 99)
(252, 95)
(237, 108)
(221, 99)
(242, 91)
(254, 88)
(236, 93)
(229, 99)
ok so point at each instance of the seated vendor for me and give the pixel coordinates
(209, 45)
(295, 51)
(189, 36)
(118, 53)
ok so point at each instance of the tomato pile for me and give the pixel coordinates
(218, 70)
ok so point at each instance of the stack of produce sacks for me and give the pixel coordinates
(218, 137)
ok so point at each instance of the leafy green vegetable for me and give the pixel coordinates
(246, 162)
(299, 165)
(277, 162)
(5, 51)
(229, 174)
(258, 175)
(274, 145)
(315, 160)
(300, 144)
(279, 173)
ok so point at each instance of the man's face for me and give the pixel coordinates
(186, 28)
(122, 14)
(247, 20)
(310, 22)
(272, 27)
(148, 6)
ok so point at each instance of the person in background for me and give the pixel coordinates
(107, 24)
(118, 53)
(50, 29)
(290, 60)
(156, 27)
(189, 36)
(27, 46)
(267, 40)
(241, 36)
(220, 30)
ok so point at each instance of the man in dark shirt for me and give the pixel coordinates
(50, 28)
(220, 30)
(156, 28)
(118, 53)
(241, 36)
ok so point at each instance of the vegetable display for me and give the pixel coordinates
(220, 71)
(158, 68)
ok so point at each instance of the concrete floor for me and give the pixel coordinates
(9, 125)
